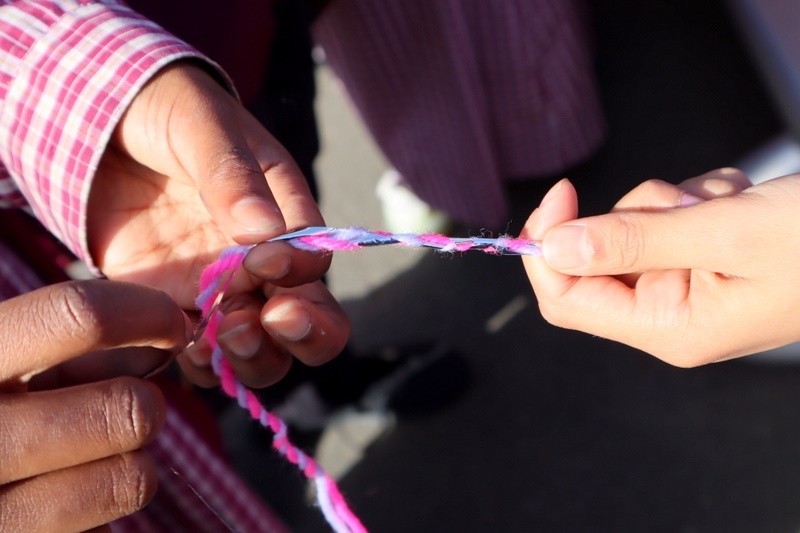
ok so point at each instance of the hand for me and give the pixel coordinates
(71, 454)
(188, 173)
(687, 280)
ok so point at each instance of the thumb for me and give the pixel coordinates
(185, 125)
(228, 154)
(708, 236)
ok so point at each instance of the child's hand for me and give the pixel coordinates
(189, 172)
(687, 280)
(71, 456)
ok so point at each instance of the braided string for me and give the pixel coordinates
(213, 282)
(334, 239)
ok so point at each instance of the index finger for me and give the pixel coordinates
(599, 305)
(285, 265)
(41, 329)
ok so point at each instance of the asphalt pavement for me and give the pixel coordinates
(528, 427)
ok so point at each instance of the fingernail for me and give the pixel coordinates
(688, 200)
(199, 353)
(551, 193)
(266, 264)
(566, 247)
(288, 321)
(242, 341)
(255, 215)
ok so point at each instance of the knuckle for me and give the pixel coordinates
(231, 162)
(76, 308)
(133, 483)
(626, 245)
(131, 415)
(684, 345)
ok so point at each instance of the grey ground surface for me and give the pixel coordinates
(550, 430)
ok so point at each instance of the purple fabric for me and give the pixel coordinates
(461, 96)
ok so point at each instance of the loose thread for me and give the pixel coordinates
(214, 281)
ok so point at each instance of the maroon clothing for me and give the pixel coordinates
(461, 96)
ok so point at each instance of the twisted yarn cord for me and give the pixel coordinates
(333, 239)
(213, 282)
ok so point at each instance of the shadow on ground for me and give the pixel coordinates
(559, 431)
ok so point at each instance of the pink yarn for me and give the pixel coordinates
(328, 244)
(214, 281)
(324, 239)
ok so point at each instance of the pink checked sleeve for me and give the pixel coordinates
(68, 70)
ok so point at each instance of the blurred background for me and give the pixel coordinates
(505, 423)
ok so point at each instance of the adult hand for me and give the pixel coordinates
(189, 172)
(71, 454)
(687, 280)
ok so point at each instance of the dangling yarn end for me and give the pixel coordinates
(213, 283)
(215, 280)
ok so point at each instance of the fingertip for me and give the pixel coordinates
(195, 363)
(310, 314)
(554, 191)
(203, 377)
(152, 403)
(141, 468)
(240, 335)
(256, 360)
(269, 261)
(266, 368)
(285, 266)
(718, 183)
(558, 205)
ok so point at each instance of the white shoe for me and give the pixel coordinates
(403, 211)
